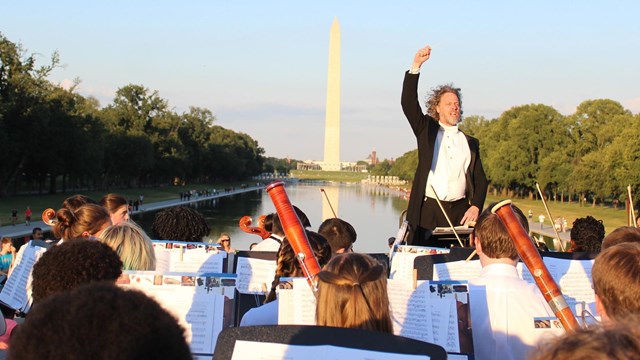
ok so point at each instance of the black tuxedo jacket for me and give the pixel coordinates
(425, 128)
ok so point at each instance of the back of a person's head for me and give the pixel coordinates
(73, 202)
(277, 228)
(621, 235)
(180, 223)
(352, 293)
(73, 263)
(99, 321)
(287, 264)
(616, 280)
(132, 244)
(113, 202)
(339, 233)
(90, 218)
(493, 235)
(610, 341)
(587, 234)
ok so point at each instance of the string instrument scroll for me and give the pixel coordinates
(533, 261)
(245, 225)
(49, 217)
(295, 232)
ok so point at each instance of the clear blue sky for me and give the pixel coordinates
(260, 66)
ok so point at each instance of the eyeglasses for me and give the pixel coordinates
(225, 240)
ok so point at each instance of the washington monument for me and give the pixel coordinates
(332, 123)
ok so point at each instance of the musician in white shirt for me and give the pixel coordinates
(503, 306)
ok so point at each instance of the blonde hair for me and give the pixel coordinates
(352, 293)
(132, 244)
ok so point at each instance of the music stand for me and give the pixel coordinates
(245, 302)
(324, 335)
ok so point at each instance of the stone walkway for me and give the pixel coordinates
(21, 229)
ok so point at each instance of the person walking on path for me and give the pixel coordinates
(27, 216)
(14, 216)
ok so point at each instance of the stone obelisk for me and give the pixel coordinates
(332, 117)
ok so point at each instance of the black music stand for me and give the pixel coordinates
(424, 264)
(245, 302)
(324, 335)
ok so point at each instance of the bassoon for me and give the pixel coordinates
(295, 232)
(533, 261)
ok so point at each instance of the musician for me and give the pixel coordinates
(587, 234)
(616, 281)
(340, 234)
(272, 243)
(502, 305)
(448, 160)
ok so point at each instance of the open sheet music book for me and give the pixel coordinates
(180, 256)
(268, 351)
(255, 275)
(462, 229)
(202, 303)
(16, 292)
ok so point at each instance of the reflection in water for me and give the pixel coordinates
(373, 211)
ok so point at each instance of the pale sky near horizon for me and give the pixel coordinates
(261, 66)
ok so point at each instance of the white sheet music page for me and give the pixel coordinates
(273, 351)
(410, 310)
(457, 270)
(254, 275)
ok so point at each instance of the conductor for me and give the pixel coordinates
(449, 165)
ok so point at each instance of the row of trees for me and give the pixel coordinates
(51, 137)
(594, 152)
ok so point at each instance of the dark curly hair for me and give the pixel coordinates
(587, 234)
(180, 223)
(99, 321)
(288, 265)
(436, 94)
(73, 263)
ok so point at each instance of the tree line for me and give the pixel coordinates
(54, 139)
(591, 154)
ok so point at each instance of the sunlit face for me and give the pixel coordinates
(448, 109)
(120, 215)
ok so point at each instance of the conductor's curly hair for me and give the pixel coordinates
(436, 94)
(72, 264)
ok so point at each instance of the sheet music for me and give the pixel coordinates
(275, 351)
(410, 310)
(188, 257)
(572, 276)
(254, 275)
(285, 307)
(304, 302)
(443, 296)
(457, 270)
(403, 260)
(196, 300)
(16, 292)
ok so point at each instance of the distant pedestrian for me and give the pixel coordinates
(530, 214)
(27, 217)
(541, 219)
(14, 216)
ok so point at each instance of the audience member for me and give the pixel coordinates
(502, 305)
(36, 234)
(340, 234)
(621, 235)
(180, 223)
(287, 266)
(352, 293)
(225, 241)
(586, 235)
(7, 255)
(272, 243)
(616, 281)
(610, 341)
(99, 321)
(132, 244)
(71, 264)
(87, 220)
(117, 206)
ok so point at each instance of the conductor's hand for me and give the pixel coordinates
(470, 216)
(421, 56)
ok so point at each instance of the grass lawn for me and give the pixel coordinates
(612, 218)
(40, 202)
(339, 176)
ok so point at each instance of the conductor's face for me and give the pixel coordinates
(448, 109)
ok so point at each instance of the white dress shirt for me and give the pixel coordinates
(502, 310)
(451, 159)
(269, 244)
(266, 314)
